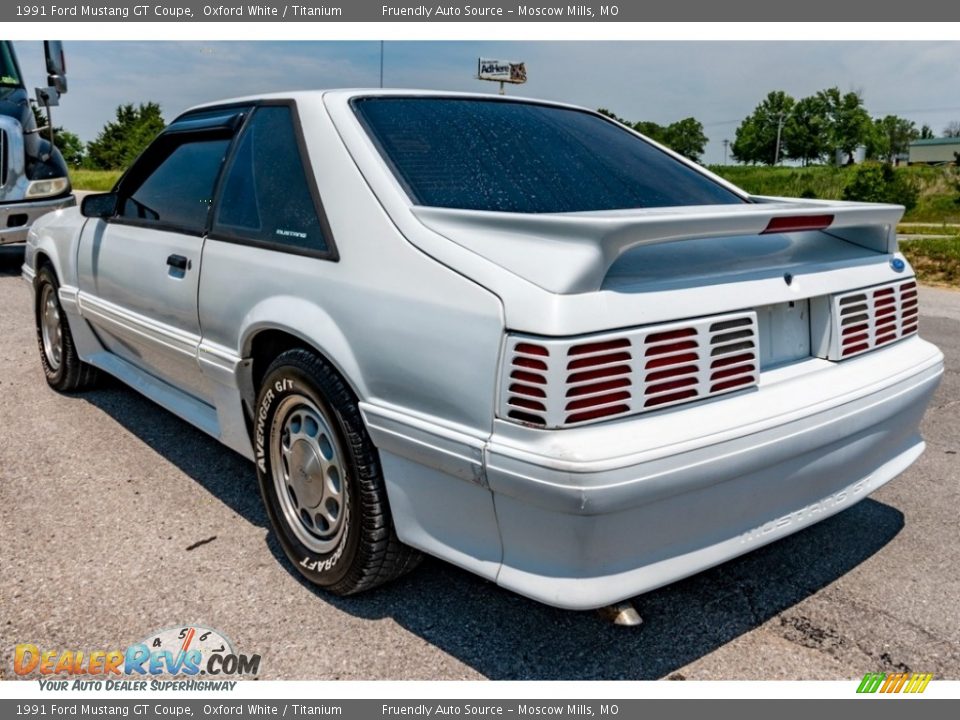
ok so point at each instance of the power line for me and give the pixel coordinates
(918, 110)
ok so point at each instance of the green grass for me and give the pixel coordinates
(935, 208)
(935, 260)
(934, 229)
(96, 180)
(823, 182)
(938, 193)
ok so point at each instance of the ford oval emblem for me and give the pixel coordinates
(898, 265)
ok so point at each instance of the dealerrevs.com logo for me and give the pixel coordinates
(187, 651)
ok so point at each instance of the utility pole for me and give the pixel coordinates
(776, 151)
(726, 144)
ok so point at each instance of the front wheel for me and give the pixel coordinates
(320, 478)
(63, 368)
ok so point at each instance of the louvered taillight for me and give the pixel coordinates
(557, 383)
(872, 317)
(598, 380)
(527, 381)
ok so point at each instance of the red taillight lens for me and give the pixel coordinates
(566, 382)
(868, 318)
(526, 395)
(797, 224)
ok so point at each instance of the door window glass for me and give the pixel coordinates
(179, 191)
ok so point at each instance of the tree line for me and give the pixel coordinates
(117, 144)
(815, 128)
(810, 130)
(683, 136)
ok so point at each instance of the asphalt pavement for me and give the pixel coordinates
(117, 519)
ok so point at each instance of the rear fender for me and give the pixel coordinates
(313, 326)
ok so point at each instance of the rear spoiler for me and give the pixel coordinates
(571, 252)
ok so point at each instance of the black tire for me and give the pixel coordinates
(63, 368)
(300, 401)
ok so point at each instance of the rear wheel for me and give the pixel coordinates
(320, 478)
(63, 368)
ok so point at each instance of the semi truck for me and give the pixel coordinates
(33, 173)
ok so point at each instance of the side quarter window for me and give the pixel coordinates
(174, 186)
(266, 197)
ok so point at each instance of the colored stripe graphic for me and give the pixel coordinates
(894, 683)
(920, 683)
(871, 682)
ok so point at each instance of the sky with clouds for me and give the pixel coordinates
(719, 83)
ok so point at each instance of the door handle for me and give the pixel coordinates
(178, 262)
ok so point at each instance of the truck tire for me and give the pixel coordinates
(320, 478)
(63, 368)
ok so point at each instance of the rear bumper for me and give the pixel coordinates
(594, 529)
(16, 218)
(590, 516)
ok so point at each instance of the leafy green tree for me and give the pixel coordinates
(686, 137)
(756, 137)
(652, 130)
(876, 144)
(850, 123)
(121, 140)
(892, 137)
(69, 144)
(926, 133)
(881, 182)
(38, 117)
(613, 116)
(806, 132)
(71, 147)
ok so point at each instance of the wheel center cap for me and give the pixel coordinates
(306, 473)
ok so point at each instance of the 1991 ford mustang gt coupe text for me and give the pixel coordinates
(512, 334)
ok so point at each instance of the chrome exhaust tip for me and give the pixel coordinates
(623, 614)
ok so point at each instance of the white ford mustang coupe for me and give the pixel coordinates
(512, 334)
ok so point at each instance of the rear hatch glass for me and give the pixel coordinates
(520, 157)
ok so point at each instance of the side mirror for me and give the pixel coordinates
(99, 205)
(56, 65)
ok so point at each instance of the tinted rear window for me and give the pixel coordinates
(526, 158)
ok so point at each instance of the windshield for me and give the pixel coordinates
(9, 77)
(527, 158)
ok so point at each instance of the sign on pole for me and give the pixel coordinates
(501, 71)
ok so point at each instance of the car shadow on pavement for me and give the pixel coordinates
(11, 259)
(506, 637)
(226, 475)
